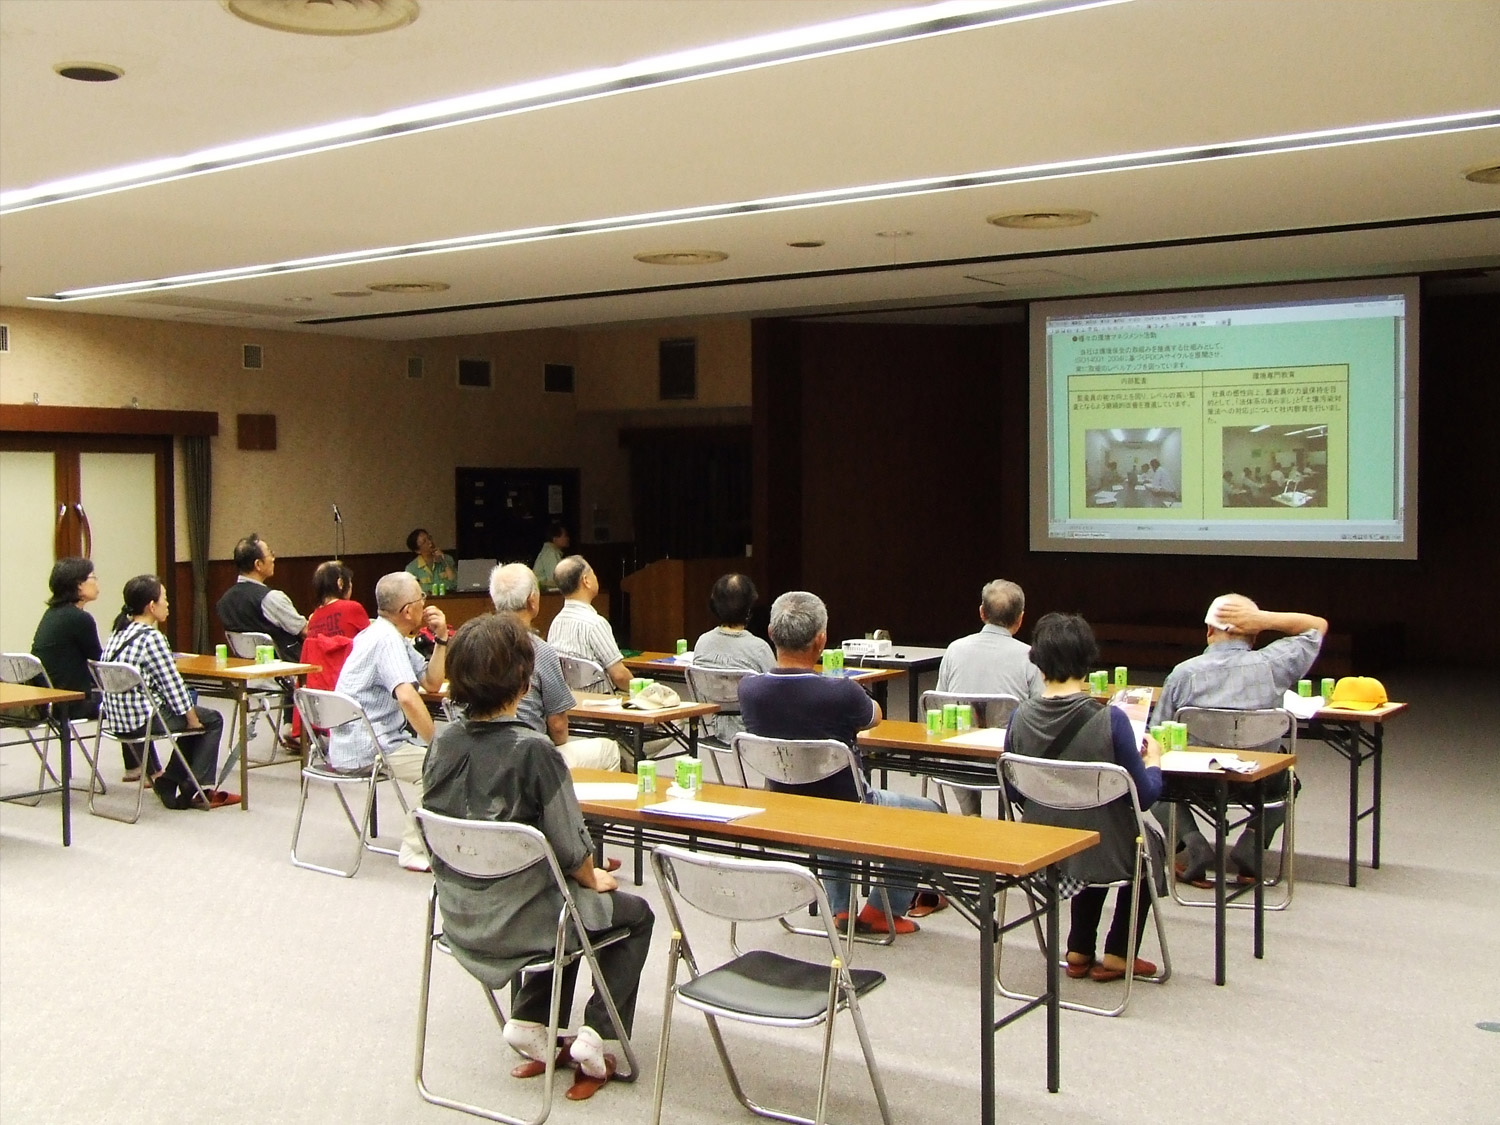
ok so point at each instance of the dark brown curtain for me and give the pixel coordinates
(198, 472)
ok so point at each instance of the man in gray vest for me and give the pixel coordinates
(250, 606)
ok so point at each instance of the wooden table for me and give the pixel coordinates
(14, 696)
(914, 661)
(230, 679)
(666, 666)
(609, 713)
(1360, 737)
(970, 859)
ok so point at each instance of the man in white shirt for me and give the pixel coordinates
(578, 630)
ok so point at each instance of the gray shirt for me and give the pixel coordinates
(1231, 674)
(549, 693)
(578, 630)
(990, 662)
(731, 648)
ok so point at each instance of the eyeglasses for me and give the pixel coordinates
(422, 601)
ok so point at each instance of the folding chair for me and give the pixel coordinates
(1257, 729)
(114, 678)
(992, 709)
(583, 674)
(721, 686)
(759, 987)
(486, 849)
(791, 761)
(23, 668)
(272, 701)
(323, 712)
(1078, 786)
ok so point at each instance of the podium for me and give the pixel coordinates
(669, 599)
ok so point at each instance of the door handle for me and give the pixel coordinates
(88, 534)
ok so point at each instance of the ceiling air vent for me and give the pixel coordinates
(4, 337)
(251, 360)
(557, 378)
(414, 367)
(475, 373)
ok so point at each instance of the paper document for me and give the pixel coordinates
(992, 738)
(702, 810)
(1136, 703)
(605, 790)
(270, 668)
(1200, 761)
(1303, 706)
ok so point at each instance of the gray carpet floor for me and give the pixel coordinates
(181, 969)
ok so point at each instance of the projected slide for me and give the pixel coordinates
(1278, 419)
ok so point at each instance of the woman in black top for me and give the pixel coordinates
(66, 637)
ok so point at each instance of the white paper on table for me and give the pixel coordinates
(701, 810)
(605, 790)
(1303, 706)
(1199, 761)
(991, 738)
(270, 668)
(1136, 703)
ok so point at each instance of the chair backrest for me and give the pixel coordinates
(733, 888)
(1260, 729)
(718, 685)
(324, 711)
(583, 674)
(1065, 785)
(115, 678)
(22, 668)
(990, 709)
(484, 849)
(243, 644)
(794, 761)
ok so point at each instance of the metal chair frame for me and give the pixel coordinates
(1233, 729)
(273, 703)
(721, 686)
(322, 713)
(757, 890)
(583, 674)
(792, 761)
(998, 708)
(24, 668)
(1065, 785)
(486, 849)
(117, 678)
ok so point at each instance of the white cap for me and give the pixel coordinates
(1212, 618)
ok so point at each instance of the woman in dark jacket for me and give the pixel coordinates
(66, 637)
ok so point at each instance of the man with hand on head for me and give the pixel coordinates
(1232, 673)
(578, 630)
(384, 674)
(250, 606)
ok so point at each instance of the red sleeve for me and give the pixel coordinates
(354, 619)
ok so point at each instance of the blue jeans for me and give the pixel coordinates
(838, 889)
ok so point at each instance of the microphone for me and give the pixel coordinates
(336, 517)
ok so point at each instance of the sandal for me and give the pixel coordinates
(585, 1086)
(533, 1068)
(925, 903)
(1077, 970)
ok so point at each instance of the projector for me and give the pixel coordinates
(860, 648)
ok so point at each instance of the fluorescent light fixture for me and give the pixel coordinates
(1158, 158)
(1118, 435)
(837, 37)
(1258, 429)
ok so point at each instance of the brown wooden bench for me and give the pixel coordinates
(1161, 648)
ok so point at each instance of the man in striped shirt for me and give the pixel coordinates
(578, 630)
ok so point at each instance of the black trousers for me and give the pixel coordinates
(200, 750)
(1088, 906)
(620, 965)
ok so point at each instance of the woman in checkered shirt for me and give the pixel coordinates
(138, 641)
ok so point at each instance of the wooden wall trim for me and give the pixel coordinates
(26, 418)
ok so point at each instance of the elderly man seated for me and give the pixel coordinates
(579, 630)
(794, 701)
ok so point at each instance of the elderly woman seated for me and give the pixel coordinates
(491, 766)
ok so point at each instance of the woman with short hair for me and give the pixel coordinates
(431, 565)
(338, 614)
(66, 637)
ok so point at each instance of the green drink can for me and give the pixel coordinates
(1157, 733)
(1327, 692)
(827, 662)
(1121, 676)
(264, 654)
(950, 716)
(638, 685)
(934, 720)
(221, 653)
(1179, 736)
(645, 779)
(1304, 688)
(681, 645)
(965, 716)
(689, 774)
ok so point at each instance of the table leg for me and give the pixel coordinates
(1054, 1005)
(639, 737)
(242, 705)
(913, 694)
(1353, 753)
(65, 736)
(1221, 819)
(693, 737)
(1376, 746)
(1260, 883)
(986, 915)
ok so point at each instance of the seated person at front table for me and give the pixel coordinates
(578, 630)
(431, 564)
(338, 614)
(492, 766)
(382, 674)
(1232, 673)
(793, 700)
(731, 644)
(67, 638)
(551, 554)
(545, 705)
(991, 661)
(138, 641)
(1067, 724)
(250, 606)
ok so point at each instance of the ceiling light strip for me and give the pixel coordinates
(1295, 142)
(819, 40)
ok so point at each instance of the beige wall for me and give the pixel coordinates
(352, 429)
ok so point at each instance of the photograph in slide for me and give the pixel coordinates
(1134, 468)
(1276, 466)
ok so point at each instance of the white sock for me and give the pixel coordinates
(527, 1039)
(588, 1052)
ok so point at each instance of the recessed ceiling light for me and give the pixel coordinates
(893, 234)
(682, 257)
(1041, 220)
(297, 300)
(352, 293)
(1483, 174)
(407, 287)
(89, 71)
(871, 29)
(806, 244)
(325, 17)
